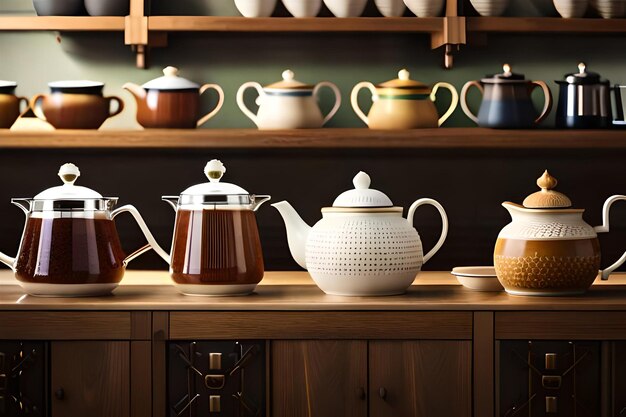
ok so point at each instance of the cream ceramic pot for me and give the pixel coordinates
(362, 245)
(288, 104)
(403, 104)
(548, 249)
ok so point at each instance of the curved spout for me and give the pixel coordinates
(23, 203)
(171, 200)
(297, 231)
(135, 90)
(259, 200)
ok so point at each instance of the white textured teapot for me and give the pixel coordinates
(288, 104)
(362, 245)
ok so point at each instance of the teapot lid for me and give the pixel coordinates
(7, 87)
(68, 173)
(582, 76)
(507, 75)
(171, 81)
(215, 191)
(404, 81)
(547, 197)
(288, 83)
(362, 195)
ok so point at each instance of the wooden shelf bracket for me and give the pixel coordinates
(136, 31)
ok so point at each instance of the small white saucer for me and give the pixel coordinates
(478, 278)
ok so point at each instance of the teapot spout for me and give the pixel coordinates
(138, 92)
(297, 231)
(23, 203)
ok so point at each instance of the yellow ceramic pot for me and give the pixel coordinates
(403, 103)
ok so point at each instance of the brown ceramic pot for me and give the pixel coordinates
(9, 104)
(172, 102)
(75, 105)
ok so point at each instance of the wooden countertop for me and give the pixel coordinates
(151, 290)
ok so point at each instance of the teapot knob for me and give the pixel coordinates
(361, 181)
(288, 75)
(69, 173)
(507, 69)
(170, 71)
(214, 170)
(404, 74)
(547, 181)
(582, 68)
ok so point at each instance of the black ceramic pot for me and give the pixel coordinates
(107, 7)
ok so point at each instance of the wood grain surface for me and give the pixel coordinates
(62, 23)
(548, 325)
(484, 359)
(321, 325)
(93, 377)
(420, 378)
(313, 378)
(545, 25)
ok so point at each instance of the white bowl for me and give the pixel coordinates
(303, 8)
(346, 8)
(490, 7)
(610, 9)
(425, 8)
(478, 278)
(256, 8)
(571, 8)
(390, 8)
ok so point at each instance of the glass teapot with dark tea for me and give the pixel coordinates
(70, 246)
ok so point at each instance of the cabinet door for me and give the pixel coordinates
(420, 378)
(319, 378)
(90, 379)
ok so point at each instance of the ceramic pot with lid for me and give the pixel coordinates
(584, 101)
(216, 249)
(507, 102)
(9, 104)
(70, 246)
(403, 103)
(75, 105)
(172, 102)
(362, 245)
(548, 249)
(288, 104)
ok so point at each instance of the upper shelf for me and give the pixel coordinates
(62, 23)
(443, 138)
(544, 25)
(291, 24)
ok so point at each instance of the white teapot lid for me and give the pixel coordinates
(171, 81)
(69, 173)
(214, 170)
(362, 195)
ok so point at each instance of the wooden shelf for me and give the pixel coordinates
(62, 23)
(545, 25)
(443, 138)
(291, 24)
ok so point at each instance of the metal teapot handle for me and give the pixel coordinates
(605, 228)
(152, 243)
(444, 223)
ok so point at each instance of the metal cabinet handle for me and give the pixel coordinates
(382, 393)
(59, 394)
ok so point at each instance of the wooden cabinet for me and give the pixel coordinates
(90, 379)
(405, 378)
(420, 378)
(319, 378)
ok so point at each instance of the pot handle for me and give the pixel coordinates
(444, 223)
(152, 243)
(354, 99)
(23, 100)
(548, 100)
(453, 103)
(464, 105)
(337, 93)
(36, 109)
(218, 107)
(605, 228)
(242, 104)
(120, 105)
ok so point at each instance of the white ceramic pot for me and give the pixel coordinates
(390, 8)
(425, 8)
(571, 8)
(288, 104)
(362, 245)
(490, 7)
(256, 8)
(346, 8)
(303, 8)
(610, 9)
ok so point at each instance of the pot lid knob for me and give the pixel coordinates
(69, 173)
(547, 197)
(362, 195)
(507, 70)
(288, 75)
(170, 71)
(582, 68)
(362, 181)
(404, 75)
(214, 170)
